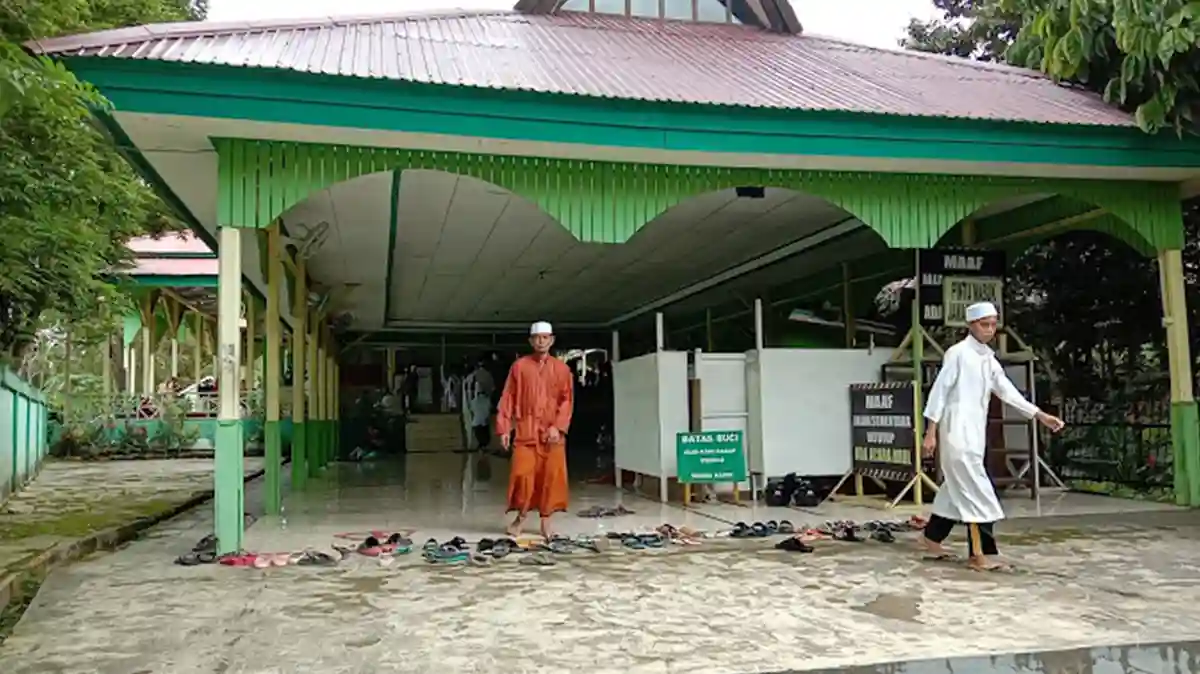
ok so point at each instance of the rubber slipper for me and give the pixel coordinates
(740, 530)
(759, 530)
(430, 544)
(593, 512)
(652, 540)
(263, 561)
(446, 554)
(633, 543)
(485, 544)
(560, 547)
(538, 559)
(280, 559)
(786, 527)
(586, 544)
(237, 559)
(316, 558)
(883, 536)
(847, 534)
(399, 541)
(206, 544)
(772, 526)
(196, 558)
(477, 559)
(458, 542)
(793, 544)
(622, 510)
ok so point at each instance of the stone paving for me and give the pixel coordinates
(722, 607)
(71, 499)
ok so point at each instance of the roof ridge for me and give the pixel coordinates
(189, 29)
(989, 66)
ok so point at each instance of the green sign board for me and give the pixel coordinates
(713, 456)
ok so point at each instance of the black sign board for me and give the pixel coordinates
(881, 430)
(938, 263)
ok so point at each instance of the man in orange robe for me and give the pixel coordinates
(536, 403)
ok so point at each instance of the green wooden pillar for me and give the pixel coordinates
(272, 435)
(228, 478)
(1185, 424)
(300, 426)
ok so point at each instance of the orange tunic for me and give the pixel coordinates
(537, 396)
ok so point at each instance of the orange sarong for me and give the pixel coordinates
(537, 397)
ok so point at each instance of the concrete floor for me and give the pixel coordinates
(723, 607)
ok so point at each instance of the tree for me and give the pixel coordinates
(1142, 55)
(967, 29)
(68, 202)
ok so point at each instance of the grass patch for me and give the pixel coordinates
(11, 614)
(82, 522)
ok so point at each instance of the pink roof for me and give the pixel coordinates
(173, 244)
(614, 57)
(151, 266)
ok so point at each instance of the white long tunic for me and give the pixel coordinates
(958, 404)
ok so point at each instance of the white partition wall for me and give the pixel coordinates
(799, 408)
(650, 401)
(723, 400)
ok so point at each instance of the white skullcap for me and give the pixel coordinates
(541, 328)
(980, 311)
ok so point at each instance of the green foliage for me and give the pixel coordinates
(967, 29)
(1141, 54)
(68, 203)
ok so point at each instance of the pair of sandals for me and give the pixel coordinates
(394, 544)
(267, 560)
(453, 551)
(644, 541)
(762, 529)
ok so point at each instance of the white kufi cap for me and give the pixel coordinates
(980, 311)
(541, 328)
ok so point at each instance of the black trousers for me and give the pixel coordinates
(483, 436)
(981, 536)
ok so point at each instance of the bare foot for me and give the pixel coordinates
(514, 530)
(985, 564)
(933, 548)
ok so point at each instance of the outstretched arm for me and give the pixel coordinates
(1006, 391)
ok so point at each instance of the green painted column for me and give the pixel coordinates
(1185, 426)
(299, 357)
(272, 436)
(315, 440)
(228, 474)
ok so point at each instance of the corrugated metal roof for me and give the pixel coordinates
(180, 243)
(615, 57)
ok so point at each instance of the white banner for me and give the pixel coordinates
(960, 292)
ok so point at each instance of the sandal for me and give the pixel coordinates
(370, 547)
(196, 558)
(793, 544)
(759, 530)
(477, 559)
(446, 555)
(633, 542)
(652, 540)
(586, 544)
(238, 559)
(883, 536)
(786, 527)
(316, 558)
(740, 530)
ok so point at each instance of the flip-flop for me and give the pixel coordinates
(196, 558)
(477, 559)
(446, 554)
(793, 544)
(759, 530)
(587, 544)
(430, 544)
(484, 545)
(593, 512)
(206, 544)
(459, 542)
(370, 547)
(848, 534)
(741, 530)
(786, 527)
(316, 558)
(538, 559)
(560, 547)
(633, 543)
(262, 561)
(652, 540)
(280, 559)
(883, 536)
(237, 559)
(772, 526)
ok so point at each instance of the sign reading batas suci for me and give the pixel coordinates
(711, 456)
(881, 430)
(948, 277)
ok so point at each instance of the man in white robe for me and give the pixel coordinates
(956, 419)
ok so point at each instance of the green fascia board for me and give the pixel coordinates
(167, 281)
(270, 95)
(10, 381)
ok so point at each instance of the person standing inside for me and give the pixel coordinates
(537, 405)
(956, 419)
